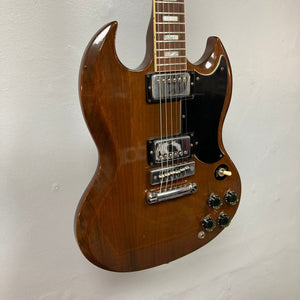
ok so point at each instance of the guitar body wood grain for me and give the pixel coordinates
(116, 228)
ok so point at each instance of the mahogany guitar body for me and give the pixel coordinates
(116, 227)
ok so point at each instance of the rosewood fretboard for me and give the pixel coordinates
(169, 35)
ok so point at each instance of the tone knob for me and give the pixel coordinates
(231, 197)
(208, 224)
(215, 201)
(223, 220)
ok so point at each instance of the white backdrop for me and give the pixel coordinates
(47, 156)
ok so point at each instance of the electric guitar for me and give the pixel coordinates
(164, 185)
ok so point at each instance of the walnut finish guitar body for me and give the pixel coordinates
(145, 207)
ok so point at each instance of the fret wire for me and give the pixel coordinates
(168, 2)
(171, 41)
(172, 49)
(170, 23)
(170, 57)
(178, 32)
(170, 12)
(175, 64)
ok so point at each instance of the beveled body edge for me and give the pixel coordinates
(115, 227)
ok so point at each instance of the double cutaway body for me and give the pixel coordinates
(132, 216)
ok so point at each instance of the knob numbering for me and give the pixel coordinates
(231, 197)
(223, 220)
(215, 201)
(208, 224)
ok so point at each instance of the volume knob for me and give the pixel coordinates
(223, 220)
(231, 197)
(215, 201)
(208, 224)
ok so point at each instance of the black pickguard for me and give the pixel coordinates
(202, 114)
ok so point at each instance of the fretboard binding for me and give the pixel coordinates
(166, 65)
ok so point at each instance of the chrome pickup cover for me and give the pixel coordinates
(170, 85)
(168, 149)
(154, 197)
(172, 173)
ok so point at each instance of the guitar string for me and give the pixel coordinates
(185, 101)
(158, 61)
(180, 83)
(176, 8)
(180, 8)
(165, 94)
(171, 103)
(163, 89)
(171, 33)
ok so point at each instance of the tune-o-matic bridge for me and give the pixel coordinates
(173, 149)
(172, 173)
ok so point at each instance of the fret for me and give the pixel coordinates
(171, 41)
(175, 64)
(173, 32)
(172, 49)
(170, 44)
(169, 57)
(169, 2)
(169, 13)
(170, 60)
(170, 23)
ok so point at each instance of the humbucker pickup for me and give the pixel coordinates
(169, 86)
(172, 173)
(161, 150)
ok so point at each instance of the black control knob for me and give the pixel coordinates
(223, 220)
(231, 197)
(208, 224)
(215, 201)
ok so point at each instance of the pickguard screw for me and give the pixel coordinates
(222, 68)
(183, 116)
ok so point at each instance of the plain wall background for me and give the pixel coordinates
(47, 156)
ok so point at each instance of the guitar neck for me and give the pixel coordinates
(169, 35)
